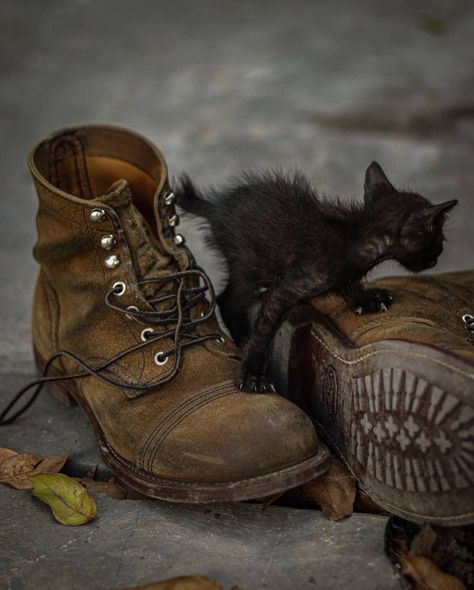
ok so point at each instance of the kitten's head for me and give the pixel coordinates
(416, 225)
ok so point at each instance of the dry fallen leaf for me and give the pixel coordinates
(112, 488)
(91, 472)
(6, 454)
(15, 468)
(426, 575)
(334, 492)
(267, 501)
(363, 503)
(181, 583)
(108, 488)
(69, 500)
(450, 549)
(423, 543)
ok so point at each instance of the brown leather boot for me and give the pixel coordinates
(121, 320)
(393, 393)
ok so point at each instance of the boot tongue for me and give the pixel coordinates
(118, 194)
(148, 259)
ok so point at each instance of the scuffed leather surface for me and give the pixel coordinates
(427, 309)
(199, 427)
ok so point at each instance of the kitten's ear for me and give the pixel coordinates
(439, 211)
(376, 183)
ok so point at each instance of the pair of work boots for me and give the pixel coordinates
(124, 325)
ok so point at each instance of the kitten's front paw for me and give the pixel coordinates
(372, 301)
(252, 381)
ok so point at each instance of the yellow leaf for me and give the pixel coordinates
(69, 500)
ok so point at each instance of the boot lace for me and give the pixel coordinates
(191, 287)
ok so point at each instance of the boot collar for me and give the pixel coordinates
(73, 164)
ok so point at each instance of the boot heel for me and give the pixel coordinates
(56, 390)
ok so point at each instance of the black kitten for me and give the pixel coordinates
(283, 243)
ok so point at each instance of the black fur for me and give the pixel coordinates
(284, 243)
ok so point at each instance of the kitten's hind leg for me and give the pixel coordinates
(362, 300)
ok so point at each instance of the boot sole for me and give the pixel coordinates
(399, 414)
(261, 486)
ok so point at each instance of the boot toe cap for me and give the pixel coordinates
(237, 436)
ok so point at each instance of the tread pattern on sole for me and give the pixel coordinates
(411, 435)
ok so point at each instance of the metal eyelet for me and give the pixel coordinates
(144, 333)
(112, 261)
(468, 318)
(131, 308)
(220, 340)
(160, 358)
(169, 198)
(173, 220)
(203, 314)
(119, 288)
(97, 215)
(107, 242)
(178, 240)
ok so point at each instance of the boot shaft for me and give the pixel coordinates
(120, 312)
(76, 173)
(105, 227)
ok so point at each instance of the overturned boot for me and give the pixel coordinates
(123, 327)
(393, 393)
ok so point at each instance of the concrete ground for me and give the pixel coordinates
(220, 86)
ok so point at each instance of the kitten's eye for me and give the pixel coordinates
(422, 233)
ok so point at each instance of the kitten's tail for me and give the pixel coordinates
(191, 199)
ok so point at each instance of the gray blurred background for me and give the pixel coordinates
(224, 85)
(221, 86)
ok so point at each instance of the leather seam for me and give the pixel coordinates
(171, 416)
(382, 350)
(54, 311)
(159, 440)
(320, 455)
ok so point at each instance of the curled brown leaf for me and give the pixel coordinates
(112, 488)
(6, 454)
(363, 503)
(16, 468)
(267, 501)
(115, 491)
(423, 542)
(426, 575)
(334, 492)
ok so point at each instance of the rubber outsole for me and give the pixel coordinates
(399, 414)
(69, 393)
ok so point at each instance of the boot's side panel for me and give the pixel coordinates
(121, 293)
